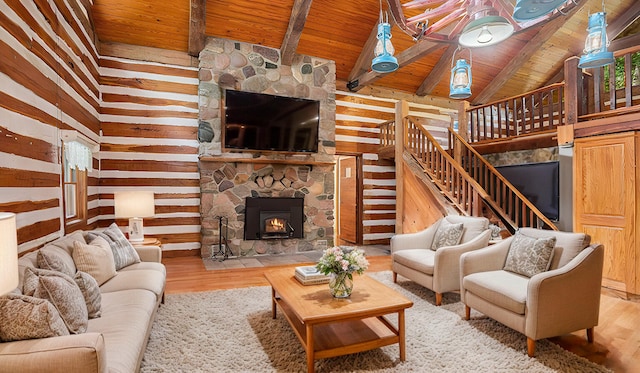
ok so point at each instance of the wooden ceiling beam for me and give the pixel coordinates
(363, 63)
(623, 21)
(406, 57)
(197, 26)
(525, 54)
(298, 18)
(434, 77)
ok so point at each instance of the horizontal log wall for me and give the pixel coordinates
(357, 132)
(149, 118)
(48, 81)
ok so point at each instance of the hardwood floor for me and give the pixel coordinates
(617, 337)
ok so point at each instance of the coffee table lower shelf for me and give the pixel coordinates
(344, 336)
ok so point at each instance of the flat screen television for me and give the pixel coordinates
(263, 122)
(539, 182)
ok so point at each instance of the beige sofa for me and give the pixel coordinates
(113, 342)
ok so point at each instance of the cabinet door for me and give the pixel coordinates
(605, 205)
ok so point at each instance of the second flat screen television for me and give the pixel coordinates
(263, 122)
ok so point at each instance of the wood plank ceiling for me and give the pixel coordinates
(344, 31)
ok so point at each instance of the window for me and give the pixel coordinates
(77, 161)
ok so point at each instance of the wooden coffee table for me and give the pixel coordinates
(329, 327)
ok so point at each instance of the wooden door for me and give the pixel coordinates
(348, 204)
(605, 187)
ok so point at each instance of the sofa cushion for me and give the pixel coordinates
(473, 225)
(568, 244)
(124, 253)
(96, 259)
(62, 292)
(419, 259)
(90, 292)
(447, 234)
(504, 289)
(147, 279)
(56, 259)
(529, 256)
(25, 317)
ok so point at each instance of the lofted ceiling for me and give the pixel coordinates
(344, 31)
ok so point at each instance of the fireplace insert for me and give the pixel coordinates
(273, 218)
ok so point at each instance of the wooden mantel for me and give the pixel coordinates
(308, 162)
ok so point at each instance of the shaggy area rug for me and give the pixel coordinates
(232, 331)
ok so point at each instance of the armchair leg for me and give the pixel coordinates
(438, 299)
(590, 335)
(531, 347)
(395, 277)
(467, 312)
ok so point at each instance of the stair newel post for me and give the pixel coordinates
(402, 110)
(573, 92)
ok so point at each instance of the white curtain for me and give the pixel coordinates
(78, 155)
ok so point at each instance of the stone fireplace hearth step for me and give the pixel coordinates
(275, 260)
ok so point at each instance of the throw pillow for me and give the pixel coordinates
(25, 317)
(447, 234)
(124, 253)
(63, 293)
(529, 256)
(95, 258)
(91, 293)
(56, 259)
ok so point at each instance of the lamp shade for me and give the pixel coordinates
(134, 204)
(8, 253)
(485, 31)
(526, 10)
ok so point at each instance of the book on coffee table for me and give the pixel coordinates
(309, 275)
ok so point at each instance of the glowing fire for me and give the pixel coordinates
(275, 225)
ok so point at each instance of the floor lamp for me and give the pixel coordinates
(8, 253)
(134, 205)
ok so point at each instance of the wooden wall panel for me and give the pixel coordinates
(149, 119)
(48, 82)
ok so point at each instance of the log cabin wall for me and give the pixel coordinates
(357, 119)
(49, 81)
(149, 118)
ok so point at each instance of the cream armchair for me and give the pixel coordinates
(558, 301)
(412, 255)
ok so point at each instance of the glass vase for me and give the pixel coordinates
(341, 284)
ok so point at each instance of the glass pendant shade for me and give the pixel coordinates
(527, 10)
(460, 84)
(485, 31)
(384, 61)
(595, 46)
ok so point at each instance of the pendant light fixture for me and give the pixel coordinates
(486, 26)
(460, 83)
(595, 46)
(384, 61)
(527, 10)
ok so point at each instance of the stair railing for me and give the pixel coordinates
(504, 198)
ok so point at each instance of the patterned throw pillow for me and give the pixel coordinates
(56, 259)
(95, 258)
(529, 256)
(62, 292)
(447, 234)
(123, 252)
(91, 293)
(25, 317)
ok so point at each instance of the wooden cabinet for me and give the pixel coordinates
(606, 190)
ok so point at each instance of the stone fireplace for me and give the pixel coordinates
(231, 181)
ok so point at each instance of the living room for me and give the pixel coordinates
(148, 109)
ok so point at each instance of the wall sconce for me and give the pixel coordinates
(595, 46)
(134, 205)
(8, 253)
(460, 83)
(526, 10)
(384, 61)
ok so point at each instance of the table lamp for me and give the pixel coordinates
(8, 253)
(134, 205)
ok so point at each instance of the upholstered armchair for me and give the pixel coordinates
(431, 257)
(540, 283)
